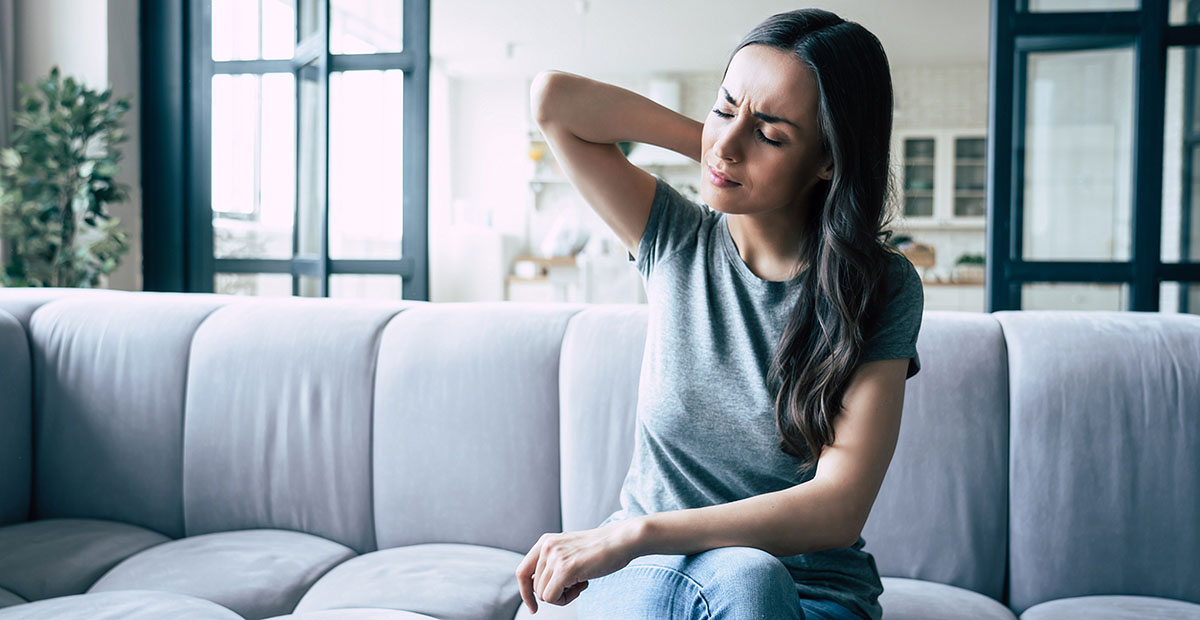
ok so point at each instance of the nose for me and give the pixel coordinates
(728, 145)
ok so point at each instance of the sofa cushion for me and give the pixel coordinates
(447, 581)
(16, 421)
(109, 374)
(914, 599)
(1105, 479)
(1113, 608)
(7, 599)
(124, 605)
(598, 389)
(256, 573)
(941, 513)
(22, 302)
(278, 425)
(356, 614)
(56, 557)
(465, 446)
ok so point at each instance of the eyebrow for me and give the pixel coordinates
(762, 115)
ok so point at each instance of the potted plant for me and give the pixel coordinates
(969, 268)
(55, 180)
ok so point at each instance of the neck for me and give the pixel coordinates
(768, 243)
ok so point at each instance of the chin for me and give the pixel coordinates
(711, 198)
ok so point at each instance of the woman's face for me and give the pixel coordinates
(763, 81)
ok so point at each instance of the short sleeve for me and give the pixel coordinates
(673, 225)
(894, 334)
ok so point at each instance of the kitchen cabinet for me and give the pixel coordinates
(942, 176)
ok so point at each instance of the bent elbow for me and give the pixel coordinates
(539, 95)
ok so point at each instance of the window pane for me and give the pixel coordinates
(312, 160)
(366, 26)
(1073, 296)
(918, 177)
(366, 180)
(373, 286)
(1184, 12)
(1177, 297)
(970, 177)
(253, 29)
(1078, 150)
(1083, 5)
(253, 170)
(257, 284)
(1181, 158)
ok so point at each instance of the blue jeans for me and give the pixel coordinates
(727, 583)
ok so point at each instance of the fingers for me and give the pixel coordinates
(573, 592)
(555, 585)
(525, 577)
(539, 576)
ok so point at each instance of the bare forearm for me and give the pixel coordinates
(798, 520)
(606, 114)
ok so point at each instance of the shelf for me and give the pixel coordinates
(941, 224)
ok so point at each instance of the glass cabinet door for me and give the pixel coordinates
(918, 177)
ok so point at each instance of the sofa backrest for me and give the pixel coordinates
(1105, 453)
(598, 387)
(17, 306)
(16, 422)
(466, 424)
(109, 375)
(278, 420)
(941, 514)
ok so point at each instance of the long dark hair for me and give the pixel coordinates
(846, 238)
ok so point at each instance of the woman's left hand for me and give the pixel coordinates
(558, 566)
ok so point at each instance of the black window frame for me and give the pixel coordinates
(1016, 32)
(176, 82)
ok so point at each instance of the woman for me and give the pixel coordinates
(781, 331)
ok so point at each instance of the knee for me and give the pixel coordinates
(743, 564)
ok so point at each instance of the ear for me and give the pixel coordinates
(826, 172)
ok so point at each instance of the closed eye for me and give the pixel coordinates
(757, 132)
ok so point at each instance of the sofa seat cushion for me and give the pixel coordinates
(1113, 607)
(445, 580)
(8, 599)
(124, 605)
(49, 558)
(257, 573)
(363, 613)
(915, 599)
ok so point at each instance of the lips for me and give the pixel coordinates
(721, 178)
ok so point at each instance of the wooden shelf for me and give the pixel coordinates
(553, 261)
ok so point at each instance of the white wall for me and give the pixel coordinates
(96, 42)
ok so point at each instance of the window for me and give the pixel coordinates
(288, 137)
(1092, 150)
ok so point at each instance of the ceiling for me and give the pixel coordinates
(595, 37)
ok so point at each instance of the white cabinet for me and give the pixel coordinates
(942, 176)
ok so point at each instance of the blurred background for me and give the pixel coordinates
(385, 149)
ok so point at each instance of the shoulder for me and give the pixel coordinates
(901, 276)
(901, 294)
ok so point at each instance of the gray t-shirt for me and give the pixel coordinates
(705, 428)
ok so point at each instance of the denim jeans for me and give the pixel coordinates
(728, 583)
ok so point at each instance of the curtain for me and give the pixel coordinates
(8, 80)
(8, 87)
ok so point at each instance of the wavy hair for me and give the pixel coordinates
(846, 238)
